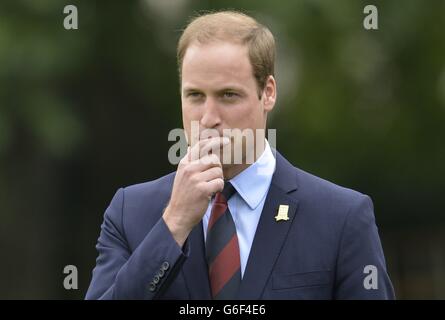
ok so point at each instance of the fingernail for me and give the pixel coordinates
(226, 140)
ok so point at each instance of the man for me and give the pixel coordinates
(218, 230)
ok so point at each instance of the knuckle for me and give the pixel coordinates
(201, 188)
(205, 160)
(187, 170)
(194, 178)
(214, 158)
(183, 162)
(217, 172)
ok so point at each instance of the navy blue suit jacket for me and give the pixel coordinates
(320, 253)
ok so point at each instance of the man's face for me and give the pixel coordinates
(219, 90)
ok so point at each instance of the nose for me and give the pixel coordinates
(211, 117)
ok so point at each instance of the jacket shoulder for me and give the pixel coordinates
(323, 188)
(331, 203)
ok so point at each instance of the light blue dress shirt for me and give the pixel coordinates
(246, 205)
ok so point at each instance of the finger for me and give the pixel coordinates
(211, 174)
(199, 165)
(213, 146)
(186, 158)
(204, 163)
(203, 147)
(215, 185)
(210, 160)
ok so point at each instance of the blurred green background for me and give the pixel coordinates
(84, 112)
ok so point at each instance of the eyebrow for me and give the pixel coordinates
(191, 89)
(224, 89)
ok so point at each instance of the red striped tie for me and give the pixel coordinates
(222, 249)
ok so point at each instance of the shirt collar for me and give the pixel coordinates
(253, 183)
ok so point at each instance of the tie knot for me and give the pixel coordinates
(227, 192)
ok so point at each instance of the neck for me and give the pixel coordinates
(233, 170)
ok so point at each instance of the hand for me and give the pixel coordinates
(198, 177)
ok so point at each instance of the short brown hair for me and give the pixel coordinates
(235, 27)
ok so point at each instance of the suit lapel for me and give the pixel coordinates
(270, 234)
(195, 267)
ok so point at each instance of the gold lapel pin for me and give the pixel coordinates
(282, 213)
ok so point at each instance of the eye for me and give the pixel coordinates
(230, 95)
(194, 95)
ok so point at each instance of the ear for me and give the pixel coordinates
(269, 94)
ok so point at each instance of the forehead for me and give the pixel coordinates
(216, 64)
